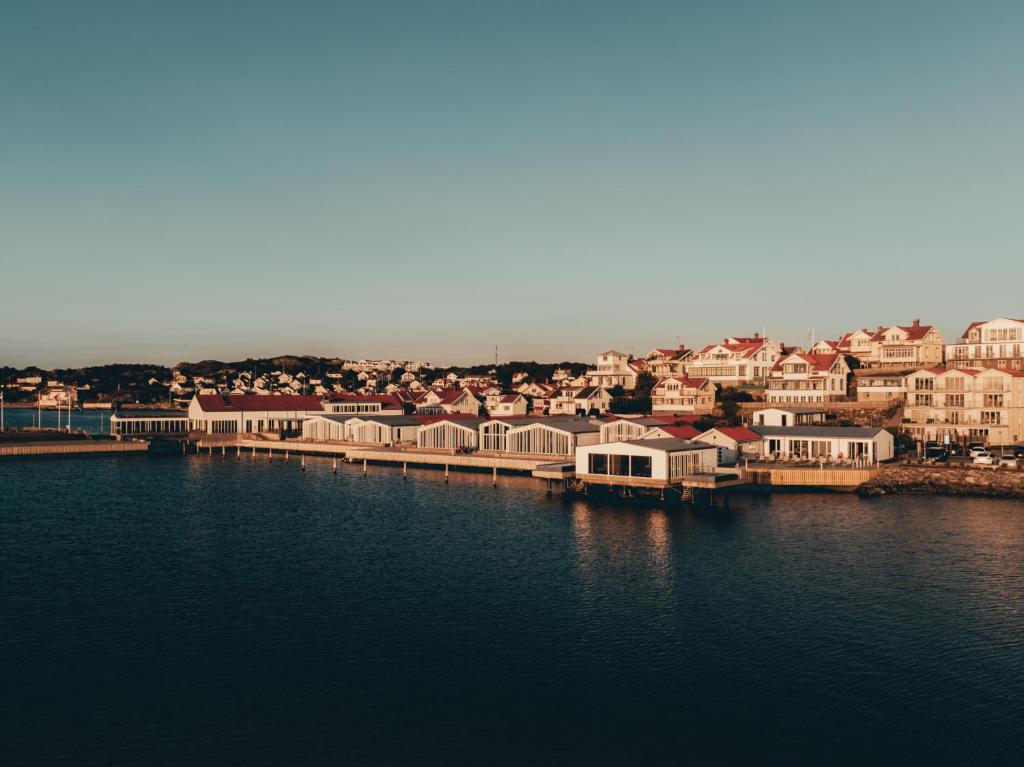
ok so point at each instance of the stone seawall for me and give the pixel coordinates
(946, 480)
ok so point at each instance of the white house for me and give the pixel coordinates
(788, 416)
(585, 400)
(996, 343)
(733, 443)
(494, 432)
(509, 405)
(860, 444)
(657, 462)
(735, 361)
(450, 434)
(448, 401)
(662, 363)
(680, 394)
(807, 378)
(249, 413)
(614, 369)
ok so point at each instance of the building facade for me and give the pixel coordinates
(678, 394)
(966, 405)
(997, 343)
(807, 379)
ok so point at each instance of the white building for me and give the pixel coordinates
(966, 405)
(552, 437)
(858, 444)
(807, 378)
(249, 413)
(735, 361)
(996, 343)
(680, 394)
(788, 416)
(614, 369)
(657, 462)
(625, 429)
(508, 406)
(450, 434)
(365, 429)
(881, 384)
(732, 443)
(584, 400)
(370, 404)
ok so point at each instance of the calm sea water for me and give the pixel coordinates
(91, 421)
(204, 610)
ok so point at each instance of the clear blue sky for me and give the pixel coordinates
(183, 180)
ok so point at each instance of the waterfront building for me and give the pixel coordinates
(966, 405)
(619, 429)
(996, 343)
(554, 437)
(614, 369)
(681, 394)
(657, 462)
(149, 423)
(807, 378)
(249, 413)
(732, 443)
(857, 444)
(736, 361)
(788, 416)
(450, 434)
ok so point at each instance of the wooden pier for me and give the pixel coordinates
(83, 447)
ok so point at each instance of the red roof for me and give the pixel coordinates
(820, 363)
(680, 432)
(239, 403)
(738, 433)
(914, 332)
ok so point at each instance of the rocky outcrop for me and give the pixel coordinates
(946, 480)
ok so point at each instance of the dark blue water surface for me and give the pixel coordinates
(205, 610)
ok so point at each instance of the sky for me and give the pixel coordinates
(426, 180)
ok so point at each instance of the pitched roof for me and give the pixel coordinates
(678, 432)
(820, 363)
(737, 433)
(240, 403)
(824, 432)
(668, 444)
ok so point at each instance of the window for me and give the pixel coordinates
(598, 463)
(640, 465)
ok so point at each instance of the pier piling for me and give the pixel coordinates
(364, 467)
(335, 464)
(494, 478)
(303, 459)
(446, 474)
(405, 469)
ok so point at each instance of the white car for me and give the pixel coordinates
(1008, 460)
(984, 458)
(976, 451)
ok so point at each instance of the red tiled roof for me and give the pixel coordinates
(239, 403)
(737, 433)
(680, 432)
(820, 363)
(914, 332)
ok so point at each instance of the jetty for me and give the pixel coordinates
(76, 448)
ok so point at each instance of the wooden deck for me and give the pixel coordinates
(809, 476)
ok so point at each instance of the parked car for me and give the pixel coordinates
(1018, 452)
(955, 448)
(1008, 460)
(983, 458)
(972, 446)
(977, 450)
(936, 454)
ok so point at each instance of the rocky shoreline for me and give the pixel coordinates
(946, 480)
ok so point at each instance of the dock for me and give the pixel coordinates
(82, 448)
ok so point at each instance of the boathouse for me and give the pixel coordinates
(552, 437)
(644, 462)
(621, 429)
(149, 423)
(251, 413)
(450, 434)
(733, 443)
(788, 416)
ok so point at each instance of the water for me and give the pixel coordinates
(205, 610)
(91, 421)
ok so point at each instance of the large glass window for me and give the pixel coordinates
(598, 463)
(640, 465)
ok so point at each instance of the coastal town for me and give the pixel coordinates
(667, 418)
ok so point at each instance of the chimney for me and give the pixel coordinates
(917, 323)
(757, 335)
